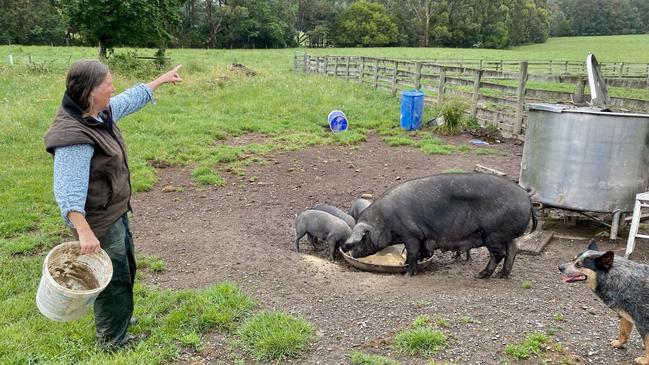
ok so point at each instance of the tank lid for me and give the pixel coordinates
(555, 108)
(561, 108)
(412, 93)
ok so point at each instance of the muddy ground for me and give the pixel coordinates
(243, 232)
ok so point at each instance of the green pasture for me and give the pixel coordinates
(626, 48)
(188, 127)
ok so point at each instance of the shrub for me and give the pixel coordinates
(129, 64)
(453, 113)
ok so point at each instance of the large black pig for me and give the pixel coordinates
(455, 211)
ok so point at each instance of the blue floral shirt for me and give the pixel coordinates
(72, 163)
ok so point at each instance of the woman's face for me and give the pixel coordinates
(102, 93)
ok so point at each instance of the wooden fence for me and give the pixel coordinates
(497, 90)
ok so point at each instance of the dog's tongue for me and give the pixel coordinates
(573, 278)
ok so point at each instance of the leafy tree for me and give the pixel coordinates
(424, 12)
(641, 8)
(529, 21)
(30, 22)
(559, 23)
(540, 23)
(259, 23)
(402, 18)
(599, 17)
(365, 24)
(314, 18)
(132, 23)
(192, 29)
(463, 25)
(492, 18)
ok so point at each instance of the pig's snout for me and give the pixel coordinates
(347, 245)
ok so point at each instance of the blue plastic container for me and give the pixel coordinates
(412, 109)
(337, 121)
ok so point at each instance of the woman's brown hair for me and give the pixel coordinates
(83, 77)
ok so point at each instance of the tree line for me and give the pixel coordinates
(313, 23)
(599, 17)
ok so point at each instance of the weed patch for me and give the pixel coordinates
(207, 176)
(361, 358)
(399, 141)
(275, 336)
(420, 338)
(533, 344)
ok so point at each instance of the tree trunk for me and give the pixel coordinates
(189, 10)
(423, 11)
(210, 24)
(102, 49)
(427, 31)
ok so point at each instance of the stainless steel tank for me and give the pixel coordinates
(583, 159)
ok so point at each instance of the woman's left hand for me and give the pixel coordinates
(171, 76)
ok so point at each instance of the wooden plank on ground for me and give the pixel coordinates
(488, 170)
(535, 242)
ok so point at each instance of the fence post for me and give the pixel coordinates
(475, 97)
(621, 69)
(326, 65)
(306, 63)
(418, 75)
(565, 67)
(440, 88)
(394, 77)
(520, 101)
(347, 68)
(11, 60)
(579, 91)
(361, 72)
(336, 59)
(376, 74)
(29, 58)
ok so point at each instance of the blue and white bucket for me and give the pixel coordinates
(337, 121)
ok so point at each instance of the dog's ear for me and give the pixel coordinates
(592, 245)
(605, 261)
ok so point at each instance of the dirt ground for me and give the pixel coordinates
(243, 232)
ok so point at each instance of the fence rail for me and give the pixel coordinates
(497, 90)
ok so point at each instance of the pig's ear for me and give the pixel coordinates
(592, 245)
(359, 231)
(373, 233)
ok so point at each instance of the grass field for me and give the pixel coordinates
(213, 103)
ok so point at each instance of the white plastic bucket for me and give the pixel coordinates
(71, 282)
(337, 121)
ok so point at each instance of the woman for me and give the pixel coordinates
(92, 183)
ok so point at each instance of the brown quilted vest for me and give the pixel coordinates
(109, 186)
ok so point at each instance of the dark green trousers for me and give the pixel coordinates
(114, 306)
